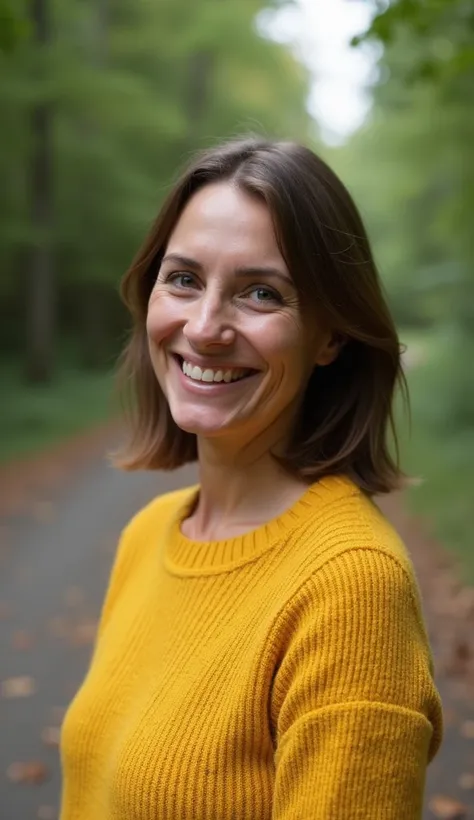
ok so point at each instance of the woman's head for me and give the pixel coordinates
(258, 270)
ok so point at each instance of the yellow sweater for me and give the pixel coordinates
(282, 674)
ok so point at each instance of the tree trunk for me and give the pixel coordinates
(199, 76)
(94, 309)
(93, 315)
(40, 274)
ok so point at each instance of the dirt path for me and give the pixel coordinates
(59, 521)
(449, 610)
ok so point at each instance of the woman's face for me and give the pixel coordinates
(227, 340)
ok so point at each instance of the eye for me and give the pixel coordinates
(181, 279)
(262, 295)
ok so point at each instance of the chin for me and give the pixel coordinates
(202, 424)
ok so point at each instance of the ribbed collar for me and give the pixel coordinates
(184, 556)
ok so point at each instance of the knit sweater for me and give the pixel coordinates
(283, 674)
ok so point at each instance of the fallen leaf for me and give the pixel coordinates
(32, 772)
(21, 687)
(47, 813)
(450, 717)
(22, 639)
(447, 808)
(467, 729)
(51, 735)
(466, 781)
(84, 633)
(463, 651)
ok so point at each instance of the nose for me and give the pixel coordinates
(209, 322)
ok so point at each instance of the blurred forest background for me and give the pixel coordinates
(101, 102)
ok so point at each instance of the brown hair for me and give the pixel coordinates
(346, 416)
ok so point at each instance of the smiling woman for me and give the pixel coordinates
(261, 650)
(278, 206)
(224, 309)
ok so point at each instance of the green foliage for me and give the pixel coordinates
(440, 448)
(130, 90)
(412, 169)
(101, 104)
(441, 31)
(13, 24)
(33, 417)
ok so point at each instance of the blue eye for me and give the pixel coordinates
(181, 280)
(262, 295)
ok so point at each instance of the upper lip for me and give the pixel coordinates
(195, 360)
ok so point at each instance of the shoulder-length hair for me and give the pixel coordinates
(346, 423)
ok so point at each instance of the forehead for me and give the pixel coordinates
(221, 219)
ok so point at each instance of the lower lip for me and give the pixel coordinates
(209, 388)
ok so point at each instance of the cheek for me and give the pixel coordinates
(161, 318)
(283, 344)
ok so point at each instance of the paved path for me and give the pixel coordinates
(54, 563)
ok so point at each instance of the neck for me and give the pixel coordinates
(241, 486)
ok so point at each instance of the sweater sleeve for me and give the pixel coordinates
(356, 712)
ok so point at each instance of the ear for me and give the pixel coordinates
(330, 349)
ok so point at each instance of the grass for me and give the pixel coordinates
(34, 416)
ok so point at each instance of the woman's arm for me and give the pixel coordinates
(356, 711)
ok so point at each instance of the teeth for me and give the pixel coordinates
(198, 374)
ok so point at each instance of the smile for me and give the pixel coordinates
(211, 375)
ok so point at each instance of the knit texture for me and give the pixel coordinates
(282, 674)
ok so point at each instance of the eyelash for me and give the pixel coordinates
(275, 296)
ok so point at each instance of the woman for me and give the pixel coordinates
(261, 651)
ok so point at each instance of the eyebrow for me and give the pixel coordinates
(249, 271)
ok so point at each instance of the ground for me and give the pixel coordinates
(60, 515)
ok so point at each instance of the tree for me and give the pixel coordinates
(40, 285)
(13, 24)
(412, 169)
(119, 97)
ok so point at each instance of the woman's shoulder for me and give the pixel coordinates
(142, 532)
(345, 520)
(350, 559)
(159, 511)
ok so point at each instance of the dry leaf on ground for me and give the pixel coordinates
(32, 772)
(20, 687)
(22, 639)
(447, 809)
(84, 633)
(450, 716)
(51, 735)
(466, 781)
(47, 813)
(467, 729)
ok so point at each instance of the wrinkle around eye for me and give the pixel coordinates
(173, 278)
